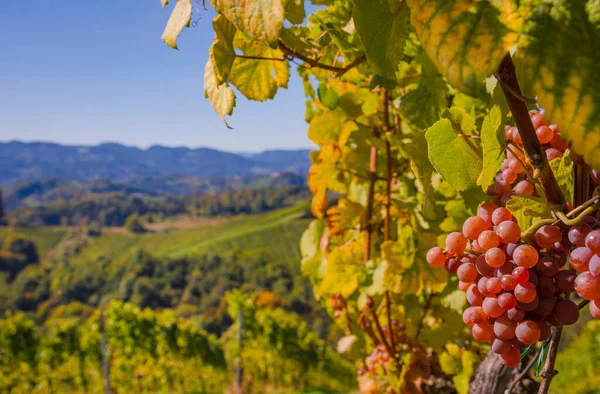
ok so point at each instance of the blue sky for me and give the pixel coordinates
(85, 72)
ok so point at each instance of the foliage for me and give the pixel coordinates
(409, 124)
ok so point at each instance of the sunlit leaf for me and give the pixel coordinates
(493, 144)
(180, 18)
(294, 11)
(262, 19)
(221, 96)
(221, 51)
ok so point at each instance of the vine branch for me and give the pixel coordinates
(293, 53)
(370, 201)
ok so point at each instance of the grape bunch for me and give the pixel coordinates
(517, 290)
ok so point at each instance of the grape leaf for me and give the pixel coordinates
(560, 66)
(345, 270)
(261, 19)
(221, 51)
(323, 176)
(180, 18)
(328, 96)
(221, 96)
(294, 11)
(383, 28)
(562, 167)
(528, 209)
(331, 127)
(466, 39)
(455, 156)
(422, 107)
(423, 170)
(310, 249)
(258, 79)
(493, 145)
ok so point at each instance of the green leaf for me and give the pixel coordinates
(528, 209)
(383, 28)
(416, 150)
(221, 96)
(294, 11)
(261, 19)
(493, 145)
(310, 249)
(331, 127)
(562, 167)
(377, 287)
(221, 51)
(422, 107)
(180, 18)
(455, 156)
(258, 79)
(465, 39)
(328, 96)
(560, 67)
(541, 358)
(455, 300)
(380, 81)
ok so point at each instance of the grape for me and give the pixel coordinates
(516, 137)
(525, 292)
(548, 267)
(538, 121)
(491, 307)
(515, 314)
(515, 165)
(544, 134)
(545, 287)
(487, 240)
(587, 286)
(456, 243)
(595, 176)
(565, 281)
(520, 275)
(509, 175)
(464, 286)
(476, 248)
(500, 187)
(578, 233)
(473, 226)
(495, 257)
(436, 256)
(468, 258)
(545, 331)
(547, 236)
(507, 301)
(500, 215)
(528, 332)
(518, 344)
(504, 329)
(533, 278)
(482, 267)
(525, 256)
(493, 286)
(545, 306)
(524, 188)
(467, 273)
(558, 142)
(595, 309)
(594, 265)
(552, 154)
(508, 232)
(485, 212)
(580, 258)
(565, 312)
(529, 306)
(505, 198)
(452, 265)
(505, 269)
(483, 332)
(474, 296)
(592, 241)
(510, 248)
(508, 282)
(475, 315)
(482, 285)
(501, 347)
(512, 358)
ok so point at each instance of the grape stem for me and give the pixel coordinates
(583, 304)
(588, 207)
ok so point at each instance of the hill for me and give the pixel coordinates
(20, 161)
(186, 268)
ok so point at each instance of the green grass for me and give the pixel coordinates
(45, 238)
(276, 234)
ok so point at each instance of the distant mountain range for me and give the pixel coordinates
(31, 161)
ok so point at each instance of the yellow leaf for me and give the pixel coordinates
(180, 18)
(262, 19)
(221, 96)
